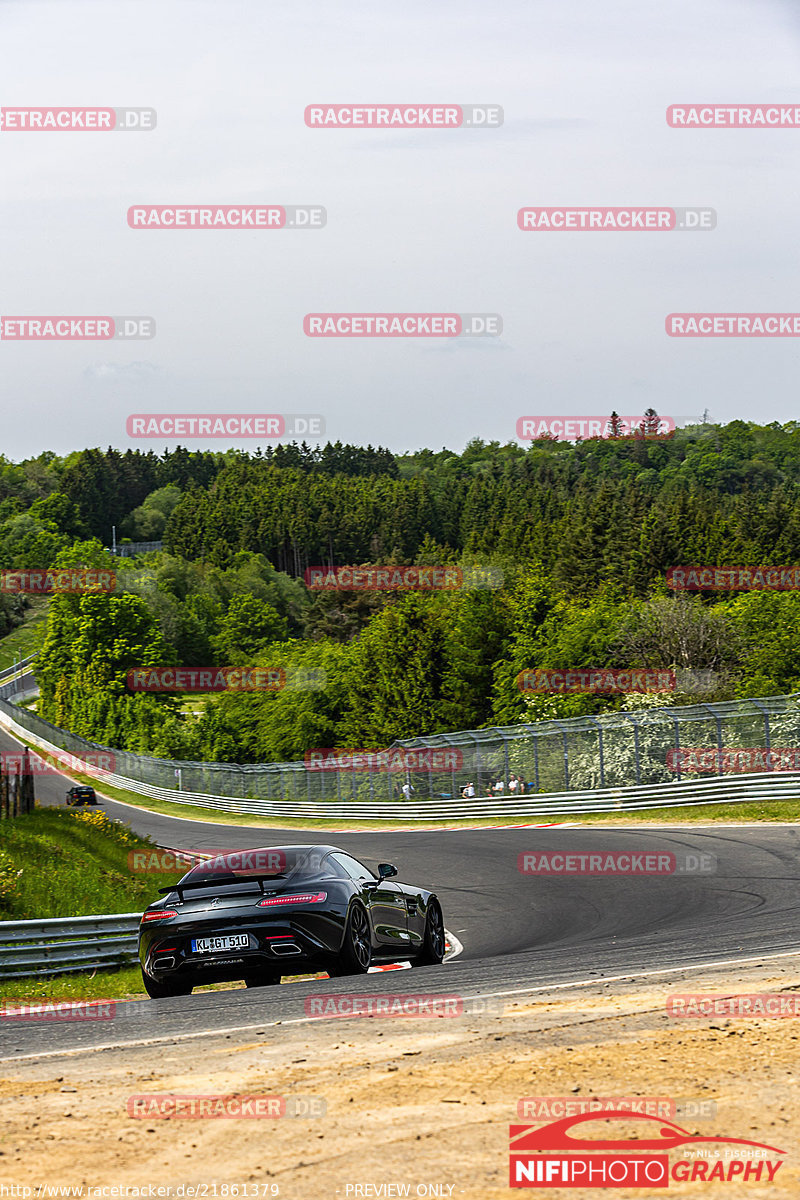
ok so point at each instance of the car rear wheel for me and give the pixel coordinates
(433, 943)
(161, 989)
(262, 979)
(356, 953)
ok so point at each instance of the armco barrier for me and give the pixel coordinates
(614, 761)
(18, 669)
(12, 671)
(727, 790)
(61, 944)
(19, 687)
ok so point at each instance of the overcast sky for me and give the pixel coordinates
(418, 221)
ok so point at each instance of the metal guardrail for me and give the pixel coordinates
(18, 668)
(61, 944)
(618, 749)
(760, 787)
(341, 795)
(20, 687)
(131, 549)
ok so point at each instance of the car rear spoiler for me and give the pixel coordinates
(188, 885)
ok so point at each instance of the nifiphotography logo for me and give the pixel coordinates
(565, 1154)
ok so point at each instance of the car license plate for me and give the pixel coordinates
(228, 941)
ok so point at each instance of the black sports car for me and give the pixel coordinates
(259, 914)
(81, 794)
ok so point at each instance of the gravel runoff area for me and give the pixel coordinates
(386, 1107)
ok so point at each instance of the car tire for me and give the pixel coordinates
(262, 979)
(355, 955)
(433, 943)
(161, 989)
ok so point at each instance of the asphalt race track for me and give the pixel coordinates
(518, 931)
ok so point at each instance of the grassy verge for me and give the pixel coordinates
(778, 810)
(56, 863)
(27, 637)
(123, 984)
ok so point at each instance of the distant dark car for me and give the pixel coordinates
(259, 914)
(82, 794)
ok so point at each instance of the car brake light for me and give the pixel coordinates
(299, 898)
(164, 949)
(160, 914)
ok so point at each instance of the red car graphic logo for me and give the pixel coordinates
(665, 1135)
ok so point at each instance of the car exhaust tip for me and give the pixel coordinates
(164, 960)
(286, 949)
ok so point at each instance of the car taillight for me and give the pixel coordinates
(299, 898)
(160, 914)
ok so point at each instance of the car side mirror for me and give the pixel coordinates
(385, 871)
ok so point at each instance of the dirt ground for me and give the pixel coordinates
(407, 1106)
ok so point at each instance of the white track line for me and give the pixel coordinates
(527, 991)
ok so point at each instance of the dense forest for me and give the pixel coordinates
(580, 534)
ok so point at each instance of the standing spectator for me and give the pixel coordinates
(407, 790)
(513, 783)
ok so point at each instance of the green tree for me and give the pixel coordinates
(247, 628)
(396, 682)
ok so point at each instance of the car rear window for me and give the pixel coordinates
(275, 862)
